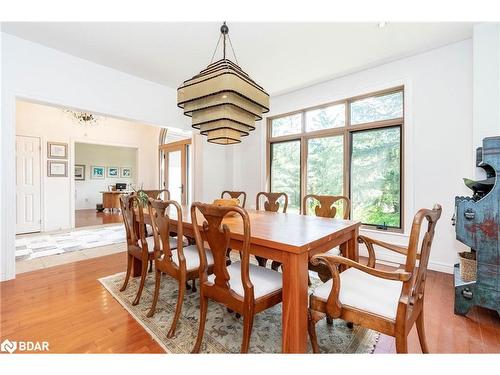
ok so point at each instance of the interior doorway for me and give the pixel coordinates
(102, 174)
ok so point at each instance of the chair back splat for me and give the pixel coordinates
(416, 285)
(271, 203)
(326, 205)
(133, 219)
(236, 195)
(160, 219)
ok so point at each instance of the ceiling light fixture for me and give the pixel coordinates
(83, 118)
(382, 24)
(222, 100)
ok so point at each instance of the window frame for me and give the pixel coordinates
(346, 131)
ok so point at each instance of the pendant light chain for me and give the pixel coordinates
(223, 35)
(232, 49)
(216, 48)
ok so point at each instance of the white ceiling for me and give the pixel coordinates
(279, 56)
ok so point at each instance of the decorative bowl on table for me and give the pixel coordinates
(230, 202)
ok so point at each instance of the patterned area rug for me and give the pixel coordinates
(31, 247)
(223, 331)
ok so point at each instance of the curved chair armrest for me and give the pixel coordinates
(333, 260)
(369, 242)
(333, 306)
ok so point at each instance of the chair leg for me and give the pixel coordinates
(156, 294)
(129, 270)
(247, 331)
(329, 320)
(150, 266)
(311, 329)
(350, 325)
(421, 332)
(203, 318)
(193, 288)
(401, 344)
(178, 308)
(144, 271)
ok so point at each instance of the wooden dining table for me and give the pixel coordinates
(290, 239)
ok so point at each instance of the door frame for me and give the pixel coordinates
(172, 147)
(43, 171)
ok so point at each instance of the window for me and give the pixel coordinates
(377, 108)
(285, 172)
(286, 125)
(325, 167)
(325, 118)
(352, 147)
(376, 176)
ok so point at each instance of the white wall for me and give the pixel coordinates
(88, 191)
(438, 128)
(486, 86)
(35, 72)
(52, 124)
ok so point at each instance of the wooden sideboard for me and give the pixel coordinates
(111, 199)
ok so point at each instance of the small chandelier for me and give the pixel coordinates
(83, 118)
(222, 100)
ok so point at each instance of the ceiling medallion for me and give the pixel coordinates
(222, 100)
(83, 118)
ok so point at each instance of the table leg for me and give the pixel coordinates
(353, 246)
(136, 269)
(294, 316)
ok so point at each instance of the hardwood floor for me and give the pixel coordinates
(85, 218)
(68, 307)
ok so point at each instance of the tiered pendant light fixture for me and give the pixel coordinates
(222, 100)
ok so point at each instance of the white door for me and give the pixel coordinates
(27, 184)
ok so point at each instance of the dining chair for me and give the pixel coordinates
(242, 287)
(389, 302)
(236, 195)
(181, 263)
(138, 245)
(271, 204)
(326, 206)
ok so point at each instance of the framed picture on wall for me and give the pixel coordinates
(57, 168)
(79, 172)
(57, 150)
(125, 172)
(97, 172)
(113, 172)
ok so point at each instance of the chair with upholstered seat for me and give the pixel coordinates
(236, 195)
(181, 263)
(272, 203)
(241, 286)
(138, 245)
(386, 301)
(326, 206)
